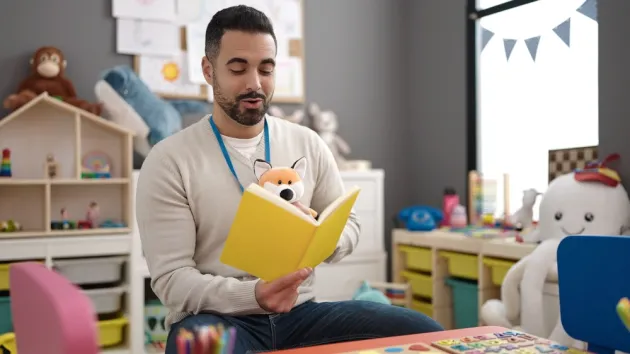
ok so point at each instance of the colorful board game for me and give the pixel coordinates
(508, 342)
(503, 343)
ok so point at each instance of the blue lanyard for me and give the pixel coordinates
(226, 155)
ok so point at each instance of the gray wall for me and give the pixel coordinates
(614, 82)
(393, 71)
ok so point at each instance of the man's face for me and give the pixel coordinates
(243, 75)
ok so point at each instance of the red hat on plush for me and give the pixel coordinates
(599, 172)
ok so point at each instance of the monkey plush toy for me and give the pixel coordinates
(47, 75)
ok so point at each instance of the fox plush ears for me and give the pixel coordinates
(262, 166)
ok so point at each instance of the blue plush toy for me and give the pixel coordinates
(161, 117)
(367, 293)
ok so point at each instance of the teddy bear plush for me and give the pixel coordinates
(297, 117)
(285, 182)
(325, 124)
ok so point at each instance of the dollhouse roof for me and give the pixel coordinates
(44, 98)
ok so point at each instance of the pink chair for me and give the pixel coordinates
(50, 315)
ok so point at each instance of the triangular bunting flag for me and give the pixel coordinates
(532, 46)
(486, 36)
(509, 46)
(589, 9)
(564, 31)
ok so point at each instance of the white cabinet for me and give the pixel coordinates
(339, 281)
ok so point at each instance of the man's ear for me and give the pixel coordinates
(206, 68)
(260, 167)
(300, 167)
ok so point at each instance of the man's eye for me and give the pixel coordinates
(237, 71)
(266, 72)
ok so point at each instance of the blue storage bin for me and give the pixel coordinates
(465, 302)
(6, 324)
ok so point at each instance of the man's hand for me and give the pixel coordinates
(280, 295)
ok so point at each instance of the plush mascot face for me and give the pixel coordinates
(571, 207)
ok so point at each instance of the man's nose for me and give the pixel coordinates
(253, 82)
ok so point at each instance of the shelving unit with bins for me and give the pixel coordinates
(430, 261)
(49, 127)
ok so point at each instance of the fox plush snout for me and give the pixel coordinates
(285, 182)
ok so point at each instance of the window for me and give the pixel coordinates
(537, 89)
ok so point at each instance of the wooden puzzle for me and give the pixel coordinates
(508, 342)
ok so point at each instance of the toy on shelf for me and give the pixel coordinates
(51, 166)
(5, 166)
(93, 213)
(524, 216)
(65, 223)
(458, 217)
(450, 201)
(623, 310)
(96, 164)
(10, 226)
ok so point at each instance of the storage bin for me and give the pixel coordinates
(7, 341)
(498, 269)
(4, 275)
(107, 300)
(465, 306)
(83, 271)
(461, 265)
(111, 332)
(417, 258)
(6, 324)
(423, 307)
(421, 284)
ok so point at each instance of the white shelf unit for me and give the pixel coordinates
(333, 281)
(80, 143)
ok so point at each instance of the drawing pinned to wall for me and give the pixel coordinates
(289, 77)
(160, 10)
(196, 34)
(189, 11)
(167, 75)
(135, 36)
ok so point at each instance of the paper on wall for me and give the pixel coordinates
(135, 36)
(189, 11)
(210, 93)
(160, 10)
(196, 46)
(167, 75)
(289, 83)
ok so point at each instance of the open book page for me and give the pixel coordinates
(330, 229)
(275, 199)
(351, 193)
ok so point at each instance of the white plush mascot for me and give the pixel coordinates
(591, 202)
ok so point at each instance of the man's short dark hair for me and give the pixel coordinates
(236, 18)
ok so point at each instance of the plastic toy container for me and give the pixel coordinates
(465, 307)
(498, 269)
(421, 284)
(461, 265)
(423, 307)
(6, 324)
(417, 258)
(97, 270)
(7, 341)
(111, 332)
(107, 300)
(4, 275)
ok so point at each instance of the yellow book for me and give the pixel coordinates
(270, 238)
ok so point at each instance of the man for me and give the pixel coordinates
(189, 190)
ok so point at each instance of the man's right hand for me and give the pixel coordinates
(279, 296)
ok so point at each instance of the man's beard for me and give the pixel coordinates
(248, 117)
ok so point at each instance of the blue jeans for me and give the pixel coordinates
(313, 323)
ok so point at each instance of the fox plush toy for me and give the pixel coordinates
(285, 182)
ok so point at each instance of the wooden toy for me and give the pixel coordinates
(502, 343)
(5, 165)
(93, 213)
(51, 166)
(96, 164)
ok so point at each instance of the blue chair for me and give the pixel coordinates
(593, 275)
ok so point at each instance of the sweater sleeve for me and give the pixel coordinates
(168, 234)
(329, 186)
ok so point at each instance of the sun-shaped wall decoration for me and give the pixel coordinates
(170, 71)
